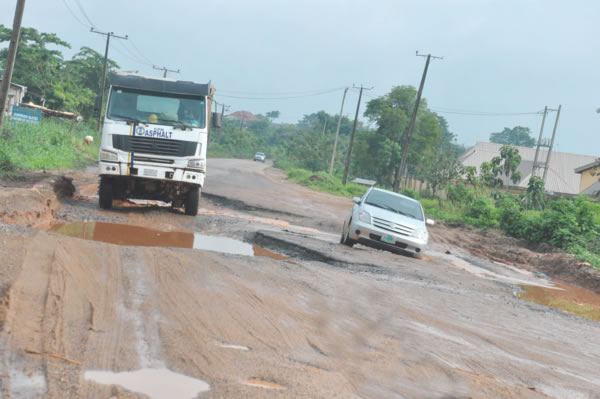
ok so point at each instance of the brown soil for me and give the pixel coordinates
(541, 258)
(305, 317)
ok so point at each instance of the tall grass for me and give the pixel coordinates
(47, 145)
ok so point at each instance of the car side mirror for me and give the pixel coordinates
(430, 222)
(356, 200)
(216, 120)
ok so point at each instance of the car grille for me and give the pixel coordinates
(154, 146)
(393, 227)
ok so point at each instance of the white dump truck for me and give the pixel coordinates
(154, 140)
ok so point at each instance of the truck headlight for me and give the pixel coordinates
(108, 156)
(197, 164)
(420, 233)
(364, 216)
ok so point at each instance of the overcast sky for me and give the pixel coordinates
(500, 56)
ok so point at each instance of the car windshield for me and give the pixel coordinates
(159, 108)
(396, 204)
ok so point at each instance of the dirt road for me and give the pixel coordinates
(255, 298)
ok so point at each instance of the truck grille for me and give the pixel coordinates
(154, 146)
(394, 227)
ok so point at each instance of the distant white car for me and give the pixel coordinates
(259, 156)
(386, 220)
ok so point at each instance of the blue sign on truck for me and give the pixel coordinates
(26, 114)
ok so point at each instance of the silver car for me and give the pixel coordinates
(387, 220)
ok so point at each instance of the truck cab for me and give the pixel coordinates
(154, 140)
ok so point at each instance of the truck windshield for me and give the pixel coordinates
(158, 108)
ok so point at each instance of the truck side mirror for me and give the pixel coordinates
(98, 106)
(216, 120)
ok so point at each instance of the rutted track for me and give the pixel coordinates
(327, 321)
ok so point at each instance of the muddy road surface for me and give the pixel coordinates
(256, 298)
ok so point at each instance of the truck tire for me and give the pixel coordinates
(105, 193)
(191, 202)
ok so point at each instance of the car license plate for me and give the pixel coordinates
(388, 239)
(150, 172)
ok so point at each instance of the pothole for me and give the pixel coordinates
(129, 235)
(568, 298)
(155, 383)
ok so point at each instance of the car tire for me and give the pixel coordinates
(347, 241)
(105, 193)
(191, 202)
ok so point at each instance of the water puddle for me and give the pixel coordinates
(567, 298)
(124, 234)
(254, 382)
(155, 383)
(237, 347)
(495, 271)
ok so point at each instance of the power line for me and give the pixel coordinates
(482, 113)
(285, 97)
(132, 43)
(73, 14)
(279, 93)
(84, 13)
(129, 54)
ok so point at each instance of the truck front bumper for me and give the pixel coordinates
(157, 172)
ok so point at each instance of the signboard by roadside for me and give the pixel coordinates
(25, 114)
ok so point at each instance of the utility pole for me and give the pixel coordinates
(411, 126)
(324, 126)
(337, 132)
(222, 116)
(539, 143)
(10, 59)
(108, 36)
(551, 144)
(349, 156)
(165, 70)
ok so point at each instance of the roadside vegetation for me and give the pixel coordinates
(304, 150)
(50, 144)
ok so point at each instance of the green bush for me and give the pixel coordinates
(47, 145)
(409, 193)
(459, 194)
(482, 212)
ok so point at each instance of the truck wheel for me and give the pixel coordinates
(191, 202)
(105, 193)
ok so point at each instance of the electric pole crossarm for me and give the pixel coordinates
(165, 70)
(108, 36)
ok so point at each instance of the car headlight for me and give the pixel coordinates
(420, 233)
(108, 156)
(197, 164)
(364, 216)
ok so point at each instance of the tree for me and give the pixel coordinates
(391, 113)
(272, 114)
(36, 66)
(519, 136)
(490, 173)
(59, 84)
(441, 171)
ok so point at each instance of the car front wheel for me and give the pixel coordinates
(345, 239)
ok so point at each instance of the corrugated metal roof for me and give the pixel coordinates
(588, 166)
(561, 176)
(593, 190)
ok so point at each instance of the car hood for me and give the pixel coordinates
(393, 216)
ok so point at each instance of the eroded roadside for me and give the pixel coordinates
(321, 320)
